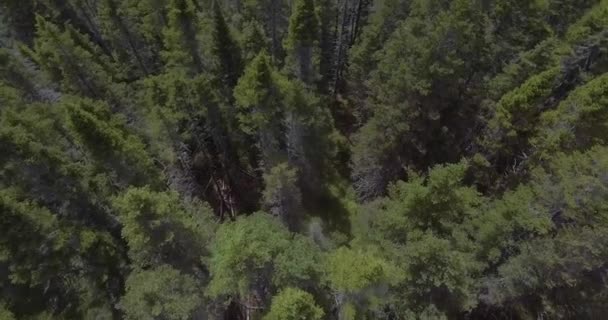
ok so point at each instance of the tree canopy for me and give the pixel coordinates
(303, 159)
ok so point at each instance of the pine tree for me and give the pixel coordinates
(160, 230)
(127, 42)
(35, 229)
(282, 196)
(259, 100)
(426, 88)
(161, 293)
(20, 18)
(300, 41)
(138, 138)
(19, 76)
(557, 191)
(229, 65)
(69, 58)
(110, 144)
(273, 15)
(253, 40)
(363, 59)
(182, 48)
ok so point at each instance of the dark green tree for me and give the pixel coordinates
(161, 293)
(300, 41)
(71, 59)
(159, 230)
(227, 52)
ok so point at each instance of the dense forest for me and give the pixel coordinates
(303, 159)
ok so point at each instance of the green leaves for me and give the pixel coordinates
(71, 59)
(359, 280)
(352, 271)
(294, 304)
(161, 293)
(5, 314)
(159, 229)
(137, 138)
(257, 96)
(303, 25)
(438, 203)
(282, 196)
(572, 188)
(556, 239)
(226, 51)
(28, 228)
(182, 50)
(590, 24)
(579, 121)
(255, 254)
(109, 141)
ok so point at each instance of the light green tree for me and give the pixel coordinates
(255, 256)
(292, 304)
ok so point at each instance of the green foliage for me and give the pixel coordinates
(282, 196)
(569, 194)
(25, 225)
(423, 92)
(372, 171)
(255, 254)
(516, 117)
(544, 55)
(437, 203)
(381, 23)
(161, 293)
(159, 229)
(253, 40)
(519, 25)
(257, 96)
(47, 259)
(359, 280)
(573, 186)
(119, 25)
(579, 121)
(351, 271)
(259, 99)
(591, 23)
(5, 314)
(420, 227)
(19, 19)
(140, 139)
(503, 221)
(110, 143)
(181, 45)
(303, 32)
(292, 304)
(63, 56)
(274, 17)
(148, 17)
(303, 25)
(568, 263)
(14, 72)
(406, 59)
(226, 50)
(562, 13)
